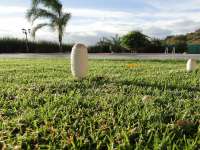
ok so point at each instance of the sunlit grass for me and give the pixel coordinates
(42, 106)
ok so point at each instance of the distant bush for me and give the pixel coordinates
(135, 41)
(105, 45)
(99, 49)
(154, 46)
(13, 45)
(102, 46)
(178, 42)
(181, 47)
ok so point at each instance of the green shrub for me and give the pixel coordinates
(135, 41)
(155, 46)
(13, 45)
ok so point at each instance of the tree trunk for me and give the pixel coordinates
(60, 43)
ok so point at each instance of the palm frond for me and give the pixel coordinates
(65, 18)
(54, 5)
(30, 13)
(39, 26)
(35, 3)
(35, 13)
(61, 22)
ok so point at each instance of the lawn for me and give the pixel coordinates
(42, 106)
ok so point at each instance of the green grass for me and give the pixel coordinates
(42, 106)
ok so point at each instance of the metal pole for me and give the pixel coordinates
(27, 43)
(26, 31)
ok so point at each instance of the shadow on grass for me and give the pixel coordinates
(158, 86)
(78, 85)
(95, 82)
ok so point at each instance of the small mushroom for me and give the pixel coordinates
(147, 98)
(191, 65)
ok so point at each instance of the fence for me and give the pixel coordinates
(193, 49)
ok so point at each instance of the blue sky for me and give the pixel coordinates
(93, 19)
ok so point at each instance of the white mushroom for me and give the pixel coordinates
(191, 65)
(79, 61)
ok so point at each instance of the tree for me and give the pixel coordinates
(155, 46)
(52, 10)
(179, 42)
(104, 44)
(134, 41)
(115, 43)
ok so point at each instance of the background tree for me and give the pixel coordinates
(104, 45)
(134, 41)
(115, 43)
(179, 42)
(52, 10)
(155, 46)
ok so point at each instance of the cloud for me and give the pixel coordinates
(157, 32)
(87, 38)
(88, 24)
(95, 13)
(5, 10)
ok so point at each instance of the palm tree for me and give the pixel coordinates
(115, 42)
(51, 10)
